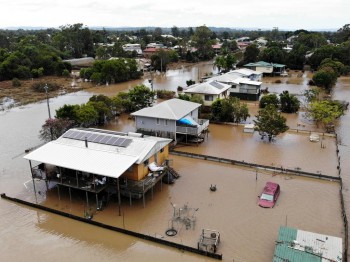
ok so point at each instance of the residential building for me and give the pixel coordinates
(171, 118)
(241, 85)
(209, 91)
(97, 161)
(267, 68)
(133, 47)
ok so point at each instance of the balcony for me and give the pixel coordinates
(193, 130)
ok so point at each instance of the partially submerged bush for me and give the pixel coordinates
(165, 94)
(39, 87)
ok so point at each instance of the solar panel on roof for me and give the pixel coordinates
(112, 140)
(68, 133)
(217, 85)
(92, 137)
(75, 134)
(105, 139)
(116, 142)
(125, 143)
(88, 135)
(72, 134)
(81, 136)
(98, 138)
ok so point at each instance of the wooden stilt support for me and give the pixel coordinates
(119, 200)
(87, 199)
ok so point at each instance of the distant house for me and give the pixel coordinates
(171, 118)
(133, 47)
(217, 48)
(149, 51)
(267, 68)
(209, 91)
(241, 85)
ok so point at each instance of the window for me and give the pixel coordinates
(209, 98)
(162, 150)
(233, 86)
(146, 162)
(166, 122)
(158, 121)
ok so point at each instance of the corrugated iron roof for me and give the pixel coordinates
(209, 87)
(173, 109)
(101, 159)
(297, 245)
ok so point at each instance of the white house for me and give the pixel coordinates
(241, 86)
(169, 118)
(209, 91)
(132, 47)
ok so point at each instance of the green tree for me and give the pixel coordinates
(54, 128)
(322, 53)
(225, 62)
(203, 42)
(250, 55)
(68, 112)
(270, 99)
(141, 96)
(337, 66)
(343, 34)
(325, 112)
(185, 97)
(269, 122)
(87, 115)
(289, 103)
(326, 78)
(273, 54)
(229, 110)
(295, 59)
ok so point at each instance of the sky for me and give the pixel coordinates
(257, 14)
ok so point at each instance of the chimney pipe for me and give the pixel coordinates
(86, 142)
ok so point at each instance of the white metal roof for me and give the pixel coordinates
(245, 72)
(329, 247)
(247, 81)
(101, 159)
(225, 78)
(209, 87)
(173, 109)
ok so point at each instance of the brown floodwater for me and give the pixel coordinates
(248, 232)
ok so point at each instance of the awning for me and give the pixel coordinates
(104, 163)
(188, 121)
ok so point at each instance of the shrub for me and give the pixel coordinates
(278, 81)
(65, 73)
(16, 82)
(39, 87)
(165, 94)
(180, 88)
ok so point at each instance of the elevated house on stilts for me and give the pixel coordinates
(103, 163)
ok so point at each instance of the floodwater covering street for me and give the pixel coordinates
(248, 231)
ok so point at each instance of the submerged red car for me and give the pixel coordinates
(269, 195)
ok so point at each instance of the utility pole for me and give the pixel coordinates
(47, 100)
(48, 108)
